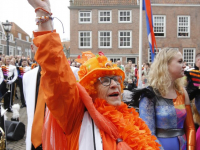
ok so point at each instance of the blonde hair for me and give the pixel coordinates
(6, 57)
(159, 77)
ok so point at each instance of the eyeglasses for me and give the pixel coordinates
(107, 80)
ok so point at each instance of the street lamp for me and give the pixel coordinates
(7, 27)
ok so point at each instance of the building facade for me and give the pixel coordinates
(19, 41)
(113, 28)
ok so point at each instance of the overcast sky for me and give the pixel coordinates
(20, 12)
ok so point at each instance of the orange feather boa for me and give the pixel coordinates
(132, 129)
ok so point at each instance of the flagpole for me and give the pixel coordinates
(140, 47)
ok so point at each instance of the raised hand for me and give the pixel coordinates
(40, 3)
(45, 4)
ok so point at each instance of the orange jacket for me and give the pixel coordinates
(59, 86)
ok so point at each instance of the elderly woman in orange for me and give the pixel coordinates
(88, 115)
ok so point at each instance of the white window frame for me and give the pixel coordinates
(27, 38)
(30, 53)
(120, 58)
(103, 11)
(85, 17)
(149, 53)
(160, 24)
(1, 49)
(104, 39)
(79, 39)
(186, 26)
(1, 35)
(119, 16)
(119, 37)
(11, 37)
(19, 50)
(11, 51)
(191, 59)
(26, 51)
(20, 36)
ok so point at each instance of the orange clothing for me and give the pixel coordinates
(62, 95)
(189, 123)
(59, 86)
(190, 129)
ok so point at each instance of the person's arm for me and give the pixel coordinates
(57, 79)
(147, 113)
(189, 125)
(15, 75)
(47, 26)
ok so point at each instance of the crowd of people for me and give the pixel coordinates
(12, 70)
(78, 104)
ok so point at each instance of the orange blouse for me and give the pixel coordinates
(59, 86)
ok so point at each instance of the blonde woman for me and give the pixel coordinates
(10, 76)
(168, 113)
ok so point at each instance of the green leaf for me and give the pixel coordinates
(88, 66)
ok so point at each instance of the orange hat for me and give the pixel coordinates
(94, 68)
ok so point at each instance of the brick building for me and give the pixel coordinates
(19, 41)
(112, 26)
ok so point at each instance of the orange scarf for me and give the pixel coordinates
(131, 128)
(113, 123)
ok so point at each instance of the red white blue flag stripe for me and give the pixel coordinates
(149, 24)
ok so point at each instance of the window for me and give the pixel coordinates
(105, 16)
(159, 24)
(124, 16)
(183, 26)
(20, 36)
(85, 17)
(114, 59)
(27, 38)
(149, 50)
(85, 39)
(19, 50)
(105, 39)
(10, 37)
(1, 49)
(1, 35)
(189, 56)
(26, 51)
(30, 53)
(10, 51)
(125, 39)
(133, 59)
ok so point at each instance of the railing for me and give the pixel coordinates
(127, 2)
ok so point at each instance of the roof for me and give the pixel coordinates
(103, 2)
(16, 29)
(175, 1)
(128, 2)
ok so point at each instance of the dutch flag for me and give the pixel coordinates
(149, 23)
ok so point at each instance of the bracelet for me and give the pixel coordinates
(43, 10)
(43, 19)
